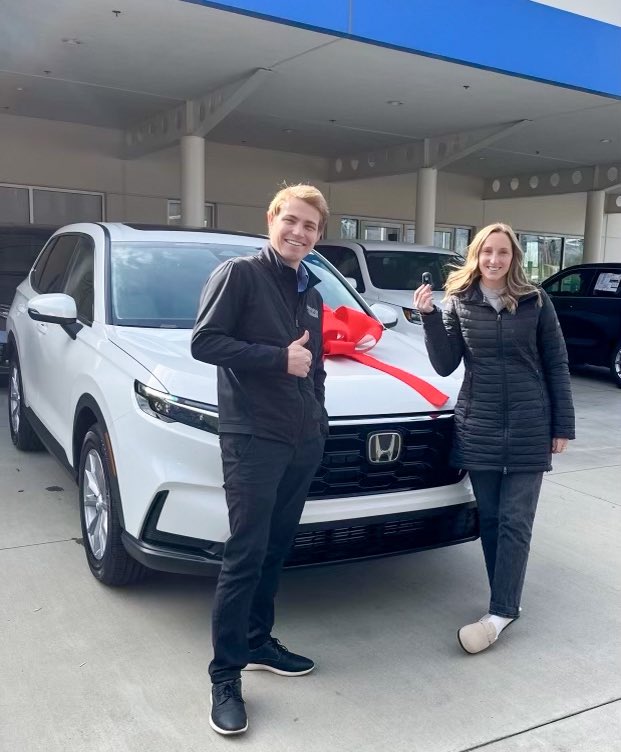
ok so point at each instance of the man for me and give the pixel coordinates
(260, 321)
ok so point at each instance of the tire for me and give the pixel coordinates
(100, 504)
(615, 364)
(22, 433)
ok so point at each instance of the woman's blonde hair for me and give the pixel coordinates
(517, 283)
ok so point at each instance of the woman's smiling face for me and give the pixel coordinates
(495, 259)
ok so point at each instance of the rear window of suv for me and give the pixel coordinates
(402, 270)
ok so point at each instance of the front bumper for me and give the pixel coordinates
(319, 543)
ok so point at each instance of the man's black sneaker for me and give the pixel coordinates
(228, 714)
(273, 656)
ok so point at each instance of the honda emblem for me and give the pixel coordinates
(383, 447)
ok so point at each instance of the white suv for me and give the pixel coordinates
(101, 373)
(387, 272)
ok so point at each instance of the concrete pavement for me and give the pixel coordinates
(84, 667)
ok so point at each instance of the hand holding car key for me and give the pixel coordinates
(423, 299)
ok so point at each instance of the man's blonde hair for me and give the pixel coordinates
(307, 193)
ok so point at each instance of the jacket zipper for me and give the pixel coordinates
(505, 411)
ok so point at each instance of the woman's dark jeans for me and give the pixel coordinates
(507, 505)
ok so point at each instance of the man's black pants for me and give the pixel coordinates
(266, 484)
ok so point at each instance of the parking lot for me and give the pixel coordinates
(89, 668)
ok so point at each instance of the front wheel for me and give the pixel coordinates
(22, 433)
(99, 515)
(615, 364)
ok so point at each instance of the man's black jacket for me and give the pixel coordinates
(250, 312)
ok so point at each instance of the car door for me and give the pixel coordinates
(605, 305)
(62, 358)
(46, 277)
(581, 324)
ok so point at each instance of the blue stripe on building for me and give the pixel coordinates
(519, 37)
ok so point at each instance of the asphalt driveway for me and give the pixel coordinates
(84, 667)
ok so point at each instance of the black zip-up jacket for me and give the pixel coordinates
(516, 394)
(250, 312)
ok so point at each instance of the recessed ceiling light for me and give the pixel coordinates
(605, 140)
(19, 88)
(482, 157)
(288, 130)
(72, 41)
(394, 102)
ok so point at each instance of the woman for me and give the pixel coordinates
(513, 411)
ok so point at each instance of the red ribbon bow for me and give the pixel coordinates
(348, 333)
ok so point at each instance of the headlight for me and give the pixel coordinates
(412, 315)
(171, 409)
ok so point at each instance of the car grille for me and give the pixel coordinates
(402, 534)
(423, 463)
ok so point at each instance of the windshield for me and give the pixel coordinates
(159, 284)
(402, 270)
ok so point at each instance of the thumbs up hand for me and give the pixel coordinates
(299, 358)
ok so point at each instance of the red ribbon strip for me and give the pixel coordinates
(348, 333)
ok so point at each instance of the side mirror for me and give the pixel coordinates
(351, 281)
(385, 314)
(53, 308)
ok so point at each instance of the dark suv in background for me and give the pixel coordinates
(19, 247)
(587, 299)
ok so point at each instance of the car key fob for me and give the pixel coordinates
(427, 279)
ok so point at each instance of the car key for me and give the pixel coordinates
(427, 279)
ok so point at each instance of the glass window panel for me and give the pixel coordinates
(349, 228)
(14, 207)
(174, 213)
(443, 239)
(63, 207)
(573, 249)
(462, 240)
(542, 256)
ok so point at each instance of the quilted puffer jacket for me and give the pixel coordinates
(516, 393)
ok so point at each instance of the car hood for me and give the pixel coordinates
(403, 298)
(352, 389)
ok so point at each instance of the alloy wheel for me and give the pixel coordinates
(96, 502)
(14, 400)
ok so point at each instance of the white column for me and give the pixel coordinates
(593, 226)
(192, 181)
(426, 205)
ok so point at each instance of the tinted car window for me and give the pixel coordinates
(55, 265)
(572, 283)
(402, 270)
(345, 260)
(79, 284)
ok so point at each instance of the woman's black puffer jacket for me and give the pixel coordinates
(516, 394)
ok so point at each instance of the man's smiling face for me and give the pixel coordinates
(294, 230)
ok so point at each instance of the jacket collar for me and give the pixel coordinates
(473, 294)
(270, 258)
